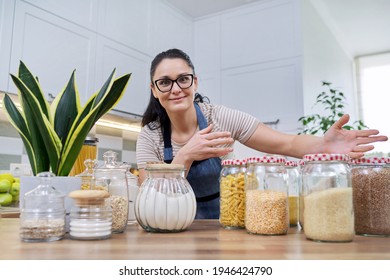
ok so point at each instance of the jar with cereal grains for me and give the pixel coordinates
(266, 196)
(294, 185)
(301, 164)
(327, 198)
(371, 196)
(232, 194)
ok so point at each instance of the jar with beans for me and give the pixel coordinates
(294, 185)
(266, 196)
(327, 198)
(371, 196)
(232, 194)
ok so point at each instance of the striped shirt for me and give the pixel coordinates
(150, 143)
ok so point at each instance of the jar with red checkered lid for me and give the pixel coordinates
(371, 196)
(327, 198)
(266, 196)
(232, 194)
(294, 185)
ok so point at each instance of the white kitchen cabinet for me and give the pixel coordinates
(112, 55)
(6, 27)
(52, 48)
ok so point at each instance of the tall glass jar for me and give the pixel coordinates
(266, 196)
(294, 185)
(327, 198)
(166, 201)
(91, 215)
(42, 215)
(232, 194)
(112, 178)
(88, 151)
(301, 164)
(371, 196)
(132, 183)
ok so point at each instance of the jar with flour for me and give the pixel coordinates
(165, 201)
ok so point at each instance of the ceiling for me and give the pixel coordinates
(361, 26)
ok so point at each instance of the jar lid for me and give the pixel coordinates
(92, 197)
(234, 162)
(326, 157)
(291, 163)
(301, 162)
(372, 160)
(266, 159)
(164, 166)
(91, 140)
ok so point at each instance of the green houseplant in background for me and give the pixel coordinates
(333, 101)
(53, 134)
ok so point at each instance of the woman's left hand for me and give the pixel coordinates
(351, 142)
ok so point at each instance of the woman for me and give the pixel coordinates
(178, 127)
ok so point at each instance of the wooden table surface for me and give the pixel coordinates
(205, 239)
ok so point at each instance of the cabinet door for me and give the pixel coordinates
(52, 48)
(6, 26)
(113, 55)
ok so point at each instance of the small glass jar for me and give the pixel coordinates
(91, 215)
(371, 196)
(112, 178)
(88, 151)
(232, 194)
(294, 185)
(132, 183)
(266, 196)
(301, 164)
(166, 201)
(87, 175)
(42, 215)
(327, 198)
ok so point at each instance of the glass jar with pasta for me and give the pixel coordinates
(88, 151)
(232, 194)
(266, 193)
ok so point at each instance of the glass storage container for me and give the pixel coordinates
(42, 215)
(165, 201)
(327, 198)
(232, 194)
(294, 185)
(266, 196)
(88, 151)
(132, 183)
(112, 178)
(371, 196)
(91, 215)
(87, 174)
(301, 164)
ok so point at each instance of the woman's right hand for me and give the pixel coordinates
(203, 145)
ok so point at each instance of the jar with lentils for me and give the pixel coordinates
(371, 196)
(294, 184)
(232, 194)
(266, 196)
(327, 198)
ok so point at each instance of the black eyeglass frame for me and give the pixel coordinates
(175, 81)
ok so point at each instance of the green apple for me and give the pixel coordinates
(5, 186)
(5, 199)
(14, 191)
(7, 176)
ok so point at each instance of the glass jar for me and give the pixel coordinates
(112, 178)
(301, 164)
(327, 198)
(87, 174)
(132, 183)
(166, 201)
(42, 215)
(91, 215)
(371, 196)
(294, 185)
(232, 194)
(88, 151)
(266, 196)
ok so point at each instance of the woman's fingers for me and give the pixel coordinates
(372, 139)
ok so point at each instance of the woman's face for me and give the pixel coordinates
(176, 99)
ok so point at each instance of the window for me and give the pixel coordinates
(373, 77)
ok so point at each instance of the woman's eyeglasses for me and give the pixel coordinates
(165, 85)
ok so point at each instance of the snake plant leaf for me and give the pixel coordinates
(17, 120)
(32, 83)
(45, 141)
(65, 108)
(88, 117)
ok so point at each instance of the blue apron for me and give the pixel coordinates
(203, 175)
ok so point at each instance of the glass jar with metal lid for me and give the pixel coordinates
(294, 185)
(371, 196)
(232, 194)
(327, 198)
(165, 201)
(88, 151)
(266, 196)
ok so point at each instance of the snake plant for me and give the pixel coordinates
(53, 134)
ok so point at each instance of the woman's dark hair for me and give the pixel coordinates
(154, 111)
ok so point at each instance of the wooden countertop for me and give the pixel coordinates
(205, 239)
